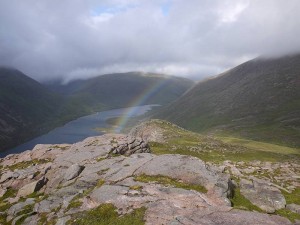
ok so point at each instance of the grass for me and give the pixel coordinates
(27, 209)
(288, 214)
(261, 146)
(169, 181)
(217, 150)
(293, 197)
(25, 164)
(240, 202)
(10, 193)
(136, 187)
(106, 214)
(75, 202)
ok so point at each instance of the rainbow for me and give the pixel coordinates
(138, 101)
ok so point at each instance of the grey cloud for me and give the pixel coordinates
(78, 39)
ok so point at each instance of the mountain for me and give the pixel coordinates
(124, 89)
(259, 99)
(26, 107)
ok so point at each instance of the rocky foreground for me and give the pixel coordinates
(66, 184)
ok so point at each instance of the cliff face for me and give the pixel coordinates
(116, 179)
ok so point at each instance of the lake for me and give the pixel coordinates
(79, 129)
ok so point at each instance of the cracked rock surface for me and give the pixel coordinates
(104, 169)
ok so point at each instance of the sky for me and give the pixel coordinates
(78, 39)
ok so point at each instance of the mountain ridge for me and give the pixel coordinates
(260, 92)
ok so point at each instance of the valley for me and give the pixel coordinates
(228, 146)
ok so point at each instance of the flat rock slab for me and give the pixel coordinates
(261, 194)
(189, 170)
(32, 187)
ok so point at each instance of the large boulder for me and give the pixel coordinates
(32, 187)
(262, 194)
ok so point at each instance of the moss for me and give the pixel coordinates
(25, 164)
(22, 219)
(10, 193)
(75, 202)
(100, 159)
(240, 202)
(3, 217)
(26, 210)
(136, 187)
(169, 181)
(288, 214)
(106, 214)
(100, 183)
(4, 206)
(43, 220)
(293, 197)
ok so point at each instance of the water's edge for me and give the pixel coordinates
(79, 129)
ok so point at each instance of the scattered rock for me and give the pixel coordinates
(73, 171)
(261, 194)
(294, 208)
(32, 187)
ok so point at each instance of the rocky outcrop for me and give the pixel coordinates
(263, 195)
(32, 187)
(149, 131)
(118, 169)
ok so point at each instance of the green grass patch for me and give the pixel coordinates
(106, 214)
(217, 150)
(3, 217)
(293, 197)
(261, 146)
(288, 214)
(27, 209)
(136, 187)
(75, 202)
(240, 202)
(25, 164)
(169, 181)
(10, 193)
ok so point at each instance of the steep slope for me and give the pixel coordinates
(123, 89)
(25, 107)
(259, 99)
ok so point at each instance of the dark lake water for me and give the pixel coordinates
(80, 128)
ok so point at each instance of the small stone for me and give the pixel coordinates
(294, 208)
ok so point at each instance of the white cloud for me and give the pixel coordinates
(71, 39)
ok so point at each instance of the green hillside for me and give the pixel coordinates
(259, 99)
(26, 107)
(124, 89)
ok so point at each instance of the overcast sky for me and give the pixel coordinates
(51, 39)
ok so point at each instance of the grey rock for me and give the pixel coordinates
(73, 171)
(32, 187)
(15, 209)
(8, 175)
(47, 205)
(261, 194)
(189, 170)
(63, 220)
(2, 191)
(107, 193)
(31, 220)
(294, 208)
